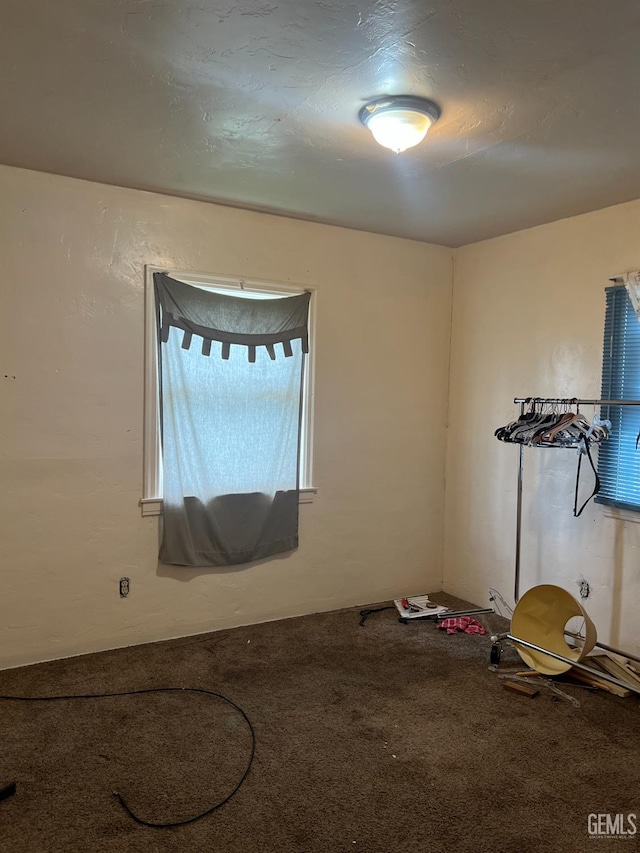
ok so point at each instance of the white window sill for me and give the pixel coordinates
(621, 514)
(153, 506)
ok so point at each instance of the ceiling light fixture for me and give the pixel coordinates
(400, 121)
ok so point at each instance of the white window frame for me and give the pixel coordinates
(151, 501)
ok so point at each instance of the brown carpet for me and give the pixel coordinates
(380, 738)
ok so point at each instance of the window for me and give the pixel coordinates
(152, 476)
(619, 455)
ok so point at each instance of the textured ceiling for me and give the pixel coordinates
(255, 104)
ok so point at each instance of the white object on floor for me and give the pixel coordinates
(420, 601)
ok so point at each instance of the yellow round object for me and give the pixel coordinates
(540, 617)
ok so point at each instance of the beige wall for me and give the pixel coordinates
(71, 416)
(528, 321)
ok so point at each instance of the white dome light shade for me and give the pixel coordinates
(399, 122)
(399, 129)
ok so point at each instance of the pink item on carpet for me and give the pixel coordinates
(462, 623)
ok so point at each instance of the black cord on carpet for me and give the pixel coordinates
(118, 796)
(364, 614)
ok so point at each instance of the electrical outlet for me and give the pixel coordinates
(124, 587)
(585, 589)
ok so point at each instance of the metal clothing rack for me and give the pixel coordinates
(557, 401)
(574, 401)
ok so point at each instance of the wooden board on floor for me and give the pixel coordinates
(523, 689)
(618, 666)
(594, 681)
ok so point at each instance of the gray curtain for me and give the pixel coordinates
(231, 372)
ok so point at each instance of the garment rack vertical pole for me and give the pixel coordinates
(522, 401)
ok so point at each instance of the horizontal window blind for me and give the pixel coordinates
(619, 458)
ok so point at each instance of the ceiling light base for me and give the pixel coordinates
(399, 122)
